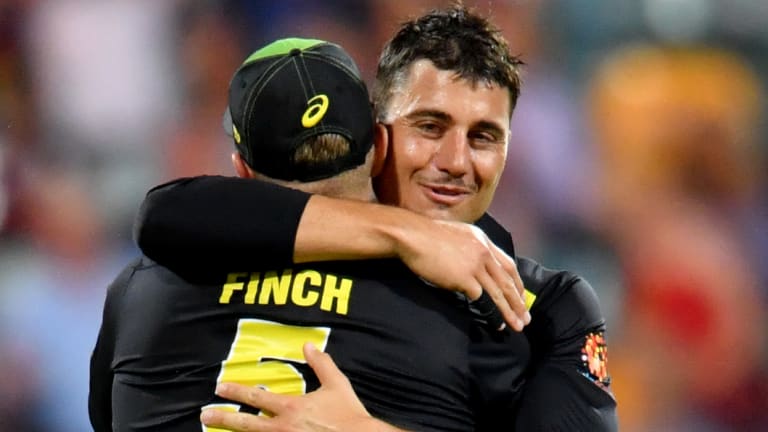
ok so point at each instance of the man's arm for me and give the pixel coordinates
(569, 386)
(100, 394)
(100, 380)
(220, 223)
(334, 406)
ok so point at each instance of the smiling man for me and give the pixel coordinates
(446, 87)
(448, 141)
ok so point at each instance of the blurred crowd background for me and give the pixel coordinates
(637, 159)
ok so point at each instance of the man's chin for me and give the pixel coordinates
(445, 213)
(437, 211)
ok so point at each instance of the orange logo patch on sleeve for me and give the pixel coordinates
(594, 356)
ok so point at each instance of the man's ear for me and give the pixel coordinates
(380, 146)
(241, 167)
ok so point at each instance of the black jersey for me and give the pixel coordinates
(165, 342)
(553, 376)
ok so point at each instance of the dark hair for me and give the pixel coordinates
(456, 39)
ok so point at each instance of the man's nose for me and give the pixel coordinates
(453, 155)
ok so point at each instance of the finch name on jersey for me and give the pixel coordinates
(306, 288)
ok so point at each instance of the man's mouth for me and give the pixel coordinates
(445, 194)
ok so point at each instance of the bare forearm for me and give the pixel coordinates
(336, 229)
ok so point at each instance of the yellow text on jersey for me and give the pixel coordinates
(307, 288)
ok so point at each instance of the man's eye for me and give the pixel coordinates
(485, 137)
(430, 128)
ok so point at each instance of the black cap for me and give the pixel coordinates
(291, 90)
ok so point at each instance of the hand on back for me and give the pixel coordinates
(332, 407)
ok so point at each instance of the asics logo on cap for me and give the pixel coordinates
(318, 105)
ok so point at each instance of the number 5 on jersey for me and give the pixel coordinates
(260, 355)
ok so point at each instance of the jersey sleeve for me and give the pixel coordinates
(100, 388)
(497, 233)
(568, 386)
(100, 379)
(219, 222)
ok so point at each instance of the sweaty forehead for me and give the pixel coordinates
(429, 89)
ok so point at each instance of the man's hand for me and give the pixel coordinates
(460, 257)
(332, 407)
(452, 255)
